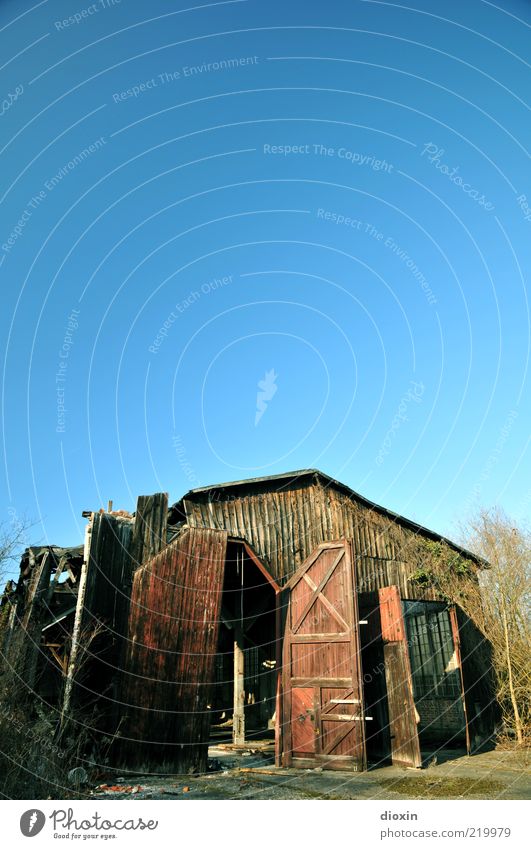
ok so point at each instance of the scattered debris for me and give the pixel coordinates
(120, 788)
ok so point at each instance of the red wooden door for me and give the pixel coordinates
(403, 729)
(322, 701)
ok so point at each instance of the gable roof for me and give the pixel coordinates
(287, 480)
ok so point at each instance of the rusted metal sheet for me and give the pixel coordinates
(169, 669)
(405, 745)
(322, 698)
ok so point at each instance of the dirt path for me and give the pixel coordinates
(250, 775)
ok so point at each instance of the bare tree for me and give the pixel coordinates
(13, 538)
(506, 609)
(497, 599)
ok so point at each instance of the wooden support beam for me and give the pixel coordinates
(76, 633)
(238, 715)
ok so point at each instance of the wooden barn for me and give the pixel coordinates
(283, 607)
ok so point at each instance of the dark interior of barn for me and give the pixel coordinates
(243, 703)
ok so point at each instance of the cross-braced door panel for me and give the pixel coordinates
(322, 694)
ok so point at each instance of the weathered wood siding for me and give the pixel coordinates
(28, 614)
(169, 667)
(284, 527)
(150, 527)
(100, 625)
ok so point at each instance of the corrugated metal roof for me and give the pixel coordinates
(327, 480)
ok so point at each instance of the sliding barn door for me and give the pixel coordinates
(403, 729)
(322, 709)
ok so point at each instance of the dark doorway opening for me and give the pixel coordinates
(377, 729)
(377, 739)
(245, 687)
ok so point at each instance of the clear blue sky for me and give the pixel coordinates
(328, 199)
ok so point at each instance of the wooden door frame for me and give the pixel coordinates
(277, 590)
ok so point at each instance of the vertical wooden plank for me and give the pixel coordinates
(278, 695)
(100, 624)
(173, 635)
(393, 629)
(457, 648)
(238, 714)
(357, 670)
(405, 745)
(149, 536)
(286, 680)
(76, 634)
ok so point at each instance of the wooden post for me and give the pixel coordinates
(76, 633)
(238, 715)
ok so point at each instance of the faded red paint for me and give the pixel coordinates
(173, 632)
